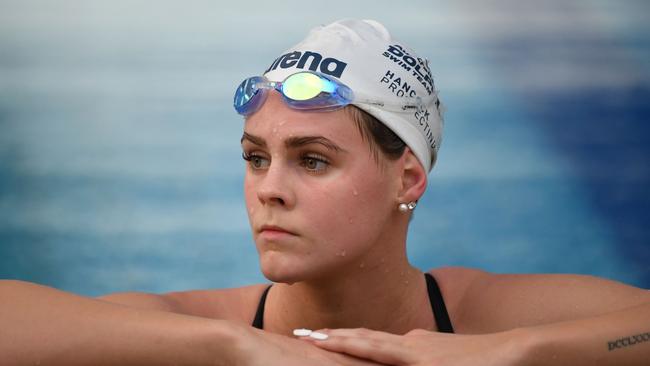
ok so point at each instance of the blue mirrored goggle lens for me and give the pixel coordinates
(303, 90)
(245, 101)
(303, 86)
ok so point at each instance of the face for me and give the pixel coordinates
(317, 201)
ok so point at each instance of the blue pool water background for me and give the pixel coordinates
(120, 155)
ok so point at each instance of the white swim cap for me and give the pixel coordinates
(363, 56)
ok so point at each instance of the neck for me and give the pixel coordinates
(386, 294)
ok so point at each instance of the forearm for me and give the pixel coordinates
(617, 338)
(41, 325)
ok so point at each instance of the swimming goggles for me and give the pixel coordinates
(308, 90)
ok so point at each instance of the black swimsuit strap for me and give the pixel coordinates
(435, 298)
(258, 322)
(438, 305)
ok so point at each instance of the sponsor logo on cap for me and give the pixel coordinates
(314, 61)
(397, 86)
(418, 66)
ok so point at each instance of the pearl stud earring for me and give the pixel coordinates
(403, 207)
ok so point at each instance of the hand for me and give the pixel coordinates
(268, 349)
(421, 347)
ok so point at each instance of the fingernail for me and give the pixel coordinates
(319, 336)
(302, 332)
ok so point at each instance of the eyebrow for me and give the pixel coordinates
(254, 139)
(295, 142)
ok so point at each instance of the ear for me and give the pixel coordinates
(413, 178)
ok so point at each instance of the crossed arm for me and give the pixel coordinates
(589, 322)
(44, 326)
(521, 320)
(619, 338)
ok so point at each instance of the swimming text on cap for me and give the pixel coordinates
(297, 59)
(418, 66)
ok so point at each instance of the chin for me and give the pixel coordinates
(277, 268)
(282, 276)
(291, 267)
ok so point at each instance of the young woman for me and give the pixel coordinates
(339, 136)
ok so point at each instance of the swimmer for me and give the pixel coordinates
(339, 135)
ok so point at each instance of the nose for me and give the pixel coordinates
(275, 187)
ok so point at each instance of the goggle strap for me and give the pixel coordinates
(398, 104)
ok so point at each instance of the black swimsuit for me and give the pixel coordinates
(435, 298)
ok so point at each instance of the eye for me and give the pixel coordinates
(315, 163)
(255, 160)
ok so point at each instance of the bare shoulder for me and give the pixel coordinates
(482, 302)
(237, 304)
(454, 283)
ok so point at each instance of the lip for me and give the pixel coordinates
(274, 228)
(274, 231)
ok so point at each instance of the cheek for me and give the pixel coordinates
(249, 194)
(347, 215)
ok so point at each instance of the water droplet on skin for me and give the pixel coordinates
(275, 130)
(350, 220)
(355, 192)
(362, 265)
(341, 253)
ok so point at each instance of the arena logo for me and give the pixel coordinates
(297, 59)
(418, 66)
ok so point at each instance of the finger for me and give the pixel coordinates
(356, 332)
(342, 359)
(377, 346)
(360, 333)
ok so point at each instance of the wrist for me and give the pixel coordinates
(542, 345)
(522, 346)
(232, 339)
(220, 343)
